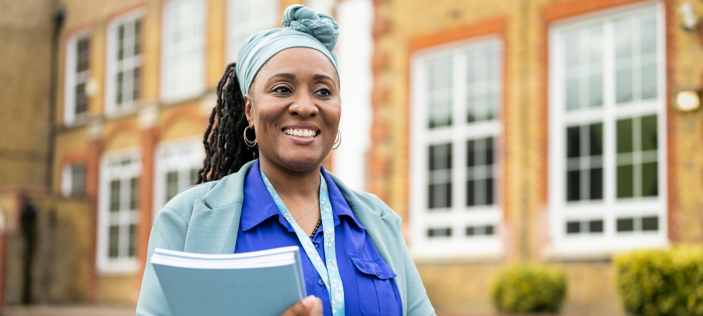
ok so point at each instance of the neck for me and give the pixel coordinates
(292, 184)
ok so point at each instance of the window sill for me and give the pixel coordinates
(600, 250)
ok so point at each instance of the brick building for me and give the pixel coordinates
(501, 131)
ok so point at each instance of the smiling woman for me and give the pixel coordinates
(281, 104)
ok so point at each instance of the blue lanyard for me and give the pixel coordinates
(329, 272)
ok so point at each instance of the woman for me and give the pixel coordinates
(281, 104)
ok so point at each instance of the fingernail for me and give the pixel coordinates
(308, 301)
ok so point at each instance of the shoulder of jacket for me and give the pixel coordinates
(376, 205)
(185, 200)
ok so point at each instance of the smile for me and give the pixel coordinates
(302, 133)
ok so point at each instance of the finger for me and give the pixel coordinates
(301, 308)
(316, 308)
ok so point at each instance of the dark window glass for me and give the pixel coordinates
(440, 195)
(573, 185)
(625, 182)
(81, 99)
(625, 224)
(120, 84)
(441, 157)
(135, 83)
(650, 223)
(489, 230)
(77, 179)
(114, 195)
(489, 151)
(624, 136)
(114, 241)
(596, 184)
(132, 239)
(649, 179)
(573, 141)
(489, 192)
(470, 189)
(470, 231)
(137, 36)
(573, 227)
(82, 55)
(648, 127)
(595, 226)
(133, 193)
(596, 139)
(439, 232)
(120, 42)
(470, 153)
(171, 185)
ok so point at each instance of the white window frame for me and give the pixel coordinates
(175, 155)
(67, 179)
(608, 209)
(459, 216)
(168, 52)
(114, 66)
(71, 78)
(121, 264)
(261, 22)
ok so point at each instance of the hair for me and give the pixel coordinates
(225, 150)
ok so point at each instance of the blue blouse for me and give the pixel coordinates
(369, 287)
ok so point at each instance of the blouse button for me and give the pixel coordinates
(378, 273)
(320, 282)
(316, 245)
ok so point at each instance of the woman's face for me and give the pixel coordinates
(295, 138)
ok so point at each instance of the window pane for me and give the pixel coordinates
(82, 55)
(441, 157)
(489, 230)
(649, 81)
(81, 100)
(470, 231)
(440, 195)
(624, 136)
(649, 179)
(623, 39)
(470, 196)
(596, 139)
(113, 241)
(132, 240)
(114, 195)
(440, 92)
(133, 193)
(573, 185)
(596, 184)
(625, 180)
(135, 83)
(120, 87)
(573, 141)
(171, 185)
(78, 179)
(650, 223)
(439, 232)
(137, 36)
(120, 42)
(648, 127)
(573, 227)
(625, 225)
(490, 196)
(573, 97)
(623, 82)
(595, 226)
(470, 153)
(595, 85)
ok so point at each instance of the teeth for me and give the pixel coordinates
(303, 133)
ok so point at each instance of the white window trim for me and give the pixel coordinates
(232, 47)
(111, 65)
(164, 165)
(588, 245)
(165, 48)
(459, 246)
(70, 79)
(104, 264)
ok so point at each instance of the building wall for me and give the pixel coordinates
(26, 29)
(402, 26)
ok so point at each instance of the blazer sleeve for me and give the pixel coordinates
(418, 302)
(168, 232)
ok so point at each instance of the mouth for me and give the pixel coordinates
(300, 132)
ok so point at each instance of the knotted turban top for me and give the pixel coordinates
(302, 27)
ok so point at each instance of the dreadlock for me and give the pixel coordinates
(225, 150)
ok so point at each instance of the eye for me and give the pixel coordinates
(324, 92)
(281, 89)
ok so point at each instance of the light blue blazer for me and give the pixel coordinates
(205, 219)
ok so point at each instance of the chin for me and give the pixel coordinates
(301, 162)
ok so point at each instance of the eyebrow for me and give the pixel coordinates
(284, 75)
(320, 77)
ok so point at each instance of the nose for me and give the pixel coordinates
(304, 105)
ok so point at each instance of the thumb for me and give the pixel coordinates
(301, 308)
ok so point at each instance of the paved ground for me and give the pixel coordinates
(68, 311)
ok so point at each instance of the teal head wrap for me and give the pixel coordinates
(302, 28)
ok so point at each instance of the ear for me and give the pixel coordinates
(249, 110)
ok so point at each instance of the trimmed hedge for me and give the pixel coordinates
(528, 288)
(662, 282)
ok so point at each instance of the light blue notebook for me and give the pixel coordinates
(263, 282)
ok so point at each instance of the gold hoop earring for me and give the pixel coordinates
(337, 141)
(247, 141)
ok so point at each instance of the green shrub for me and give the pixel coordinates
(662, 282)
(529, 289)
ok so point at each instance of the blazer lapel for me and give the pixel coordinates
(215, 221)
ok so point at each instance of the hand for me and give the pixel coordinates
(309, 306)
